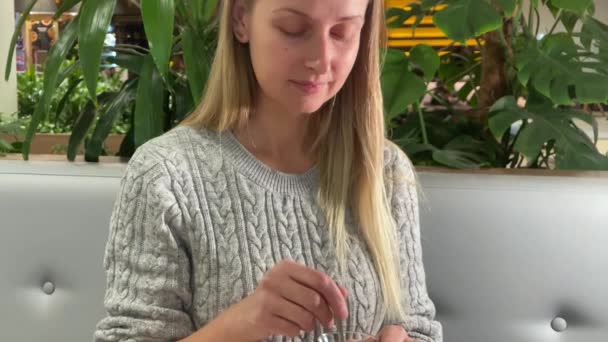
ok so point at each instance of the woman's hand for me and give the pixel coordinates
(286, 302)
(393, 333)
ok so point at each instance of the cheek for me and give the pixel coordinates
(347, 60)
(271, 58)
(343, 64)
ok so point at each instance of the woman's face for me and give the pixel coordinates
(302, 51)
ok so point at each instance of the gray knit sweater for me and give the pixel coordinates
(199, 220)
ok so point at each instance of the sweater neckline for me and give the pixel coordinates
(246, 163)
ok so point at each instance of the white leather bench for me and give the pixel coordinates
(505, 255)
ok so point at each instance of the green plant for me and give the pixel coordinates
(68, 100)
(513, 102)
(10, 125)
(155, 97)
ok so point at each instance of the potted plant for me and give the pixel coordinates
(11, 133)
(165, 80)
(515, 100)
(70, 98)
(490, 127)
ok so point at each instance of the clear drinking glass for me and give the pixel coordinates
(351, 336)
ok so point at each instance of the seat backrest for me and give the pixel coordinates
(55, 219)
(504, 255)
(507, 256)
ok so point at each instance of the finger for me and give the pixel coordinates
(369, 339)
(393, 334)
(323, 284)
(343, 290)
(294, 313)
(281, 326)
(307, 298)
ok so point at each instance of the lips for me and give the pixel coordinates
(309, 87)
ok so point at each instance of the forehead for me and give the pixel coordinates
(320, 10)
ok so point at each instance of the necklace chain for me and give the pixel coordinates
(250, 138)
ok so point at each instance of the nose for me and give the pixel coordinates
(320, 54)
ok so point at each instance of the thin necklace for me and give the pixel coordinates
(255, 148)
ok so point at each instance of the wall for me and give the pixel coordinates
(601, 10)
(547, 20)
(8, 90)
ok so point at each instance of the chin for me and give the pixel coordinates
(307, 106)
(309, 110)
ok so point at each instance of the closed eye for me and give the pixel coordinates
(292, 33)
(345, 32)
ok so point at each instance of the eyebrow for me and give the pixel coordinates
(300, 13)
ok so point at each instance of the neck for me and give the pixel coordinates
(282, 140)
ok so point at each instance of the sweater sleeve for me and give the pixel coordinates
(146, 260)
(419, 321)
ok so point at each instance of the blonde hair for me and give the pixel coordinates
(350, 143)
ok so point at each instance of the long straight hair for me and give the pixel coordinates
(350, 141)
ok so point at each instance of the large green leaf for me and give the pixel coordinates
(503, 115)
(65, 6)
(66, 96)
(569, 20)
(454, 68)
(67, 72)
(209, 7)
(579, 6)
(554, 66)
(446, 157)
(132, 63)
(465, 19)
(127, 146)
(201, 10)
(159, 16)
(16, 33)
(400, 87)
(184, 102)
(574, 149)
(149, 115)
(594, 30)
(109, 115)
(400, 90)
(508, 6)
(81, 128)
(426, 58)
(584, 160)
(481, 149)
(56, 56)
(431, 4)
(457, 159)
(197, 63)
(95, 17)
(395, 16)
(192, 13)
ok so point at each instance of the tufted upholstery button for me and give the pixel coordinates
(559, 324)
(48, 288)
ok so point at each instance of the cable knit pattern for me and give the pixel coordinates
(199, 220)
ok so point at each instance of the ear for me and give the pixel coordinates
(240, 22)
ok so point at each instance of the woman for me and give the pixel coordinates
(277, 209)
